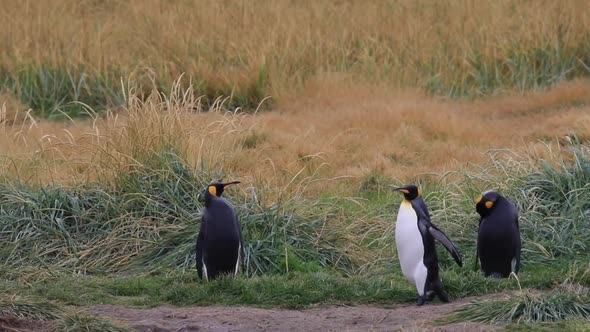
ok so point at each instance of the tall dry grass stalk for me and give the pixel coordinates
(439, 44)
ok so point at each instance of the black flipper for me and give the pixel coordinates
(476, 266)
(242, 252)
(199, 248)
(447, 243)
(515, 266)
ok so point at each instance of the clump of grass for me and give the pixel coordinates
(527, 308)
(529, 68)
(61, 93)
(548, 193)
(566, 325)
(557, 195)
(83, 322)
(151, 219)
(67, 92)
(26, 308)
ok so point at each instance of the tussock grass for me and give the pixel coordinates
(143, 210)
(25, 308)
(60, 92)
(526, 308)
(84, 322)
(151, 218)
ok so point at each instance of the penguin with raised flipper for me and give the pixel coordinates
(219, 243)
(498, 238)
(414, 237)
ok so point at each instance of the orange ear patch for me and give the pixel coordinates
(212, 190)
(489, 204)
(420, 192)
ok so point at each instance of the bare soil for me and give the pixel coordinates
(12, 324)
(407, 317)
(342, 318)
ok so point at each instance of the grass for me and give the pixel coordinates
(22, 308)
(569, 325)
(84, 322)
(59, 93)
(247, 51)
(15, 309)
(528, 309)
(303, 289)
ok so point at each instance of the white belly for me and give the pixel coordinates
(410, 249)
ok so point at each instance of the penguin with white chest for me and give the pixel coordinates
(219, 243)
(414, 237)
(498, 239)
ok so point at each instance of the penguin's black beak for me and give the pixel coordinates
(230, 183)
(402, 189)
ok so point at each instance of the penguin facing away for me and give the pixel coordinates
(498, 238)
(219, 243)
(414, 237)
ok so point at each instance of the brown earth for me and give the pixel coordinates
(407, 317)
(12, 324)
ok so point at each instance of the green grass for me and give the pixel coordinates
(60, 93)
(65, 319)
(526, 308)
(84, 322)
(568, 325)
(26, 308)
(149, 221)
(521, 69)
(288, 290)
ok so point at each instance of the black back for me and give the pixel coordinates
(219, 239)
(498, 239)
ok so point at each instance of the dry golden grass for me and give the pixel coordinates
(342, 73)
(227, 42)
(345, 131)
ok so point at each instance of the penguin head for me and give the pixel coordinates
(486, 202)
(216, 188)
(410, 191)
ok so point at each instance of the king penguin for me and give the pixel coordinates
(220, 242)
(414, 237)
(498, 238)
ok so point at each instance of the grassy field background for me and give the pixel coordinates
(55, 52)
(115, 115)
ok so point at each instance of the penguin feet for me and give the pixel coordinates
(443, 296)
(430, 295)
(421, 300)
(496, 275)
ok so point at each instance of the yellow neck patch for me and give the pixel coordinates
(419, 192)
(212, 190)
(489, 204)
(478, 199)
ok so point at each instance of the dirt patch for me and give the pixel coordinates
(359, 318)
(13, 324)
